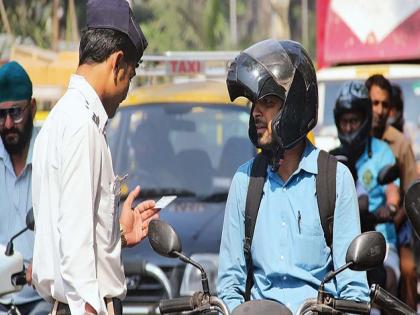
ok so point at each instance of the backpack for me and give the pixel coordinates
(325, 188)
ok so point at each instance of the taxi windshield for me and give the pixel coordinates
(183, 149)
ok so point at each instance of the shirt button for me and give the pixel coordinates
(284, 188)
(284, 278)
(281, 257)
(283, 223)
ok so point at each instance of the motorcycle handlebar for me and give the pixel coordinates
(352, 306)
(198, 301)
(180, 304)
(389, 302)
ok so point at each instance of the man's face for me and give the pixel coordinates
(126, 72)
(265, 110)
(16, 124)
(350, 122)
(380, 106)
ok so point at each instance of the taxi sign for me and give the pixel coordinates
(185, 67)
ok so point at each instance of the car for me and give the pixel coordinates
(184, 139)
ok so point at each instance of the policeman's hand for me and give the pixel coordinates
(89, 309)
(28, 274)
(135, 222)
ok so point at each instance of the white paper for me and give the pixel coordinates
(164, 201)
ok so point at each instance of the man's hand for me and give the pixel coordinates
(89, 309)
(135, 222)
(384, 214)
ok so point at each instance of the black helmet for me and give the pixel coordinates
(284, 69)
(353, 96)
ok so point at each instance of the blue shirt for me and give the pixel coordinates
(367, 173)
(15, 201)
(289, 263)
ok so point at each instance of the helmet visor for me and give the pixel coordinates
(254, 66)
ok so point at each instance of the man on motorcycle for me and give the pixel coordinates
(366, 156)
(384, 99)
(17, 111)
(289, 251)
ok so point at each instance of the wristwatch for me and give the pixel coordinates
(393, 208)
(123, 239)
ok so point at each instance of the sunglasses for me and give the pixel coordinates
(16, 113)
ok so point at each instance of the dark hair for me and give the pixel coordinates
(97, 44)
(397, 99)
(381, 81)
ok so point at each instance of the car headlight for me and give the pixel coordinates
(191, 282)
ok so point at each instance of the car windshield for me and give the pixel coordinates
(182, 149)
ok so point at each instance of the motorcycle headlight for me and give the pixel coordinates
(191, 282)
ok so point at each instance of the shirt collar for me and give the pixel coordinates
(31, 146)
(3, 152)
(93, 103)
(308, 161)
(388, 134)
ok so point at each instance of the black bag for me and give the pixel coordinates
(325, 188)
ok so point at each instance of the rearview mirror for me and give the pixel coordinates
(388, 174)
(30, 220)
(366, 251)
(412, 206)
(163, 239)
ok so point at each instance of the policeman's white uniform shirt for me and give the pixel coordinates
(77, 251)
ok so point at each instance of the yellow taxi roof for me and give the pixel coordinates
(214, 92)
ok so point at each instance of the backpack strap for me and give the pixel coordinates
(326, 192)
(253, 200)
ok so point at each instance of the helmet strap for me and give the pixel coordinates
(277, 158)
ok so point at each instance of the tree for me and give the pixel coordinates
(30, 20)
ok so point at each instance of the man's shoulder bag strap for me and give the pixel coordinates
(326, 194)
(253, 200)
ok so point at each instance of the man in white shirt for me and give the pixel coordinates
(79, 232)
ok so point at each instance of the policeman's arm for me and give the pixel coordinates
(79, 181)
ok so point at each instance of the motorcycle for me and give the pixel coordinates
(12, 269)
(366, 251)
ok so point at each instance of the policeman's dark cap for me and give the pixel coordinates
(116, 15)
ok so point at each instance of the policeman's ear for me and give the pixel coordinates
(117, 63)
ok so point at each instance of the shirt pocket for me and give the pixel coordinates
(310, 251)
